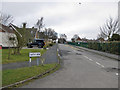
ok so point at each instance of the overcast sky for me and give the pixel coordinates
(64, 17)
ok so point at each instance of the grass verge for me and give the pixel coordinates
(15, 75)
(24, 56)
(37, 78)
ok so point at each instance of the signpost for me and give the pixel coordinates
(34, 54)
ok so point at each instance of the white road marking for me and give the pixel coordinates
(98, 63)
(117, 74)
(102, 66)
(85, 56)
(90, 59)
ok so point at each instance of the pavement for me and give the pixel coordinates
(80, 69)
(50, 57)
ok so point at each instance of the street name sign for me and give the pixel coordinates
(34, 54)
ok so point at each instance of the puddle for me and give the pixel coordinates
(78, 54)
(112, 69)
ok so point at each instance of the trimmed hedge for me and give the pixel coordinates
(110, 47)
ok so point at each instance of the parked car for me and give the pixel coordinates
(36, 42)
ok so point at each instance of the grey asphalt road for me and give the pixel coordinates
(80, 69)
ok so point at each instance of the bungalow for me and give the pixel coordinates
(6, 36)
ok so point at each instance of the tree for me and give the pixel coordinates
(50, 34)
(20, 38)
(39, 25)
(5, 19)
(62, 38)
(115, 37)
(109, 28)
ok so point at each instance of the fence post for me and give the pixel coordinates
(30, 62)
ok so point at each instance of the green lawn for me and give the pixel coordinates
(15, 75)
(24, 56)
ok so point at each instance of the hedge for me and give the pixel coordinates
(110, 47)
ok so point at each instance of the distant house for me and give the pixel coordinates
(76, 39)
(6, 36)
(100, 39)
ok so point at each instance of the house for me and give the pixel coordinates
(100, 39)
(76, 39)
(6, 36)
(27, 33)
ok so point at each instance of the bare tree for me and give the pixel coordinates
(39, 25)
(109, 28)
(63, 36)
(50, 34)
(5, 19)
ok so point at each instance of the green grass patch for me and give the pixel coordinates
(24, 56)
(15, 75)
(19, 85)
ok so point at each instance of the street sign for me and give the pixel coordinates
(34, 54)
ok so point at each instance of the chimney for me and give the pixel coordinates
(24, 25)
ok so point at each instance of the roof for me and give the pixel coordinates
(6, 28)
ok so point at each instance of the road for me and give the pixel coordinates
(80, 69)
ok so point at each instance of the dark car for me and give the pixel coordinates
(36, 42)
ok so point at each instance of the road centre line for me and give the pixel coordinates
(98, 63)
(102, 66)
(90, 59)
(85, 56)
